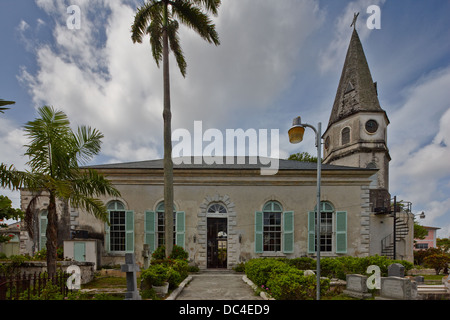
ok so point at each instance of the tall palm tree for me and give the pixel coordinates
(55, 152)
(159, 19)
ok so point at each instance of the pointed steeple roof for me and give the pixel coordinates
(356, 91)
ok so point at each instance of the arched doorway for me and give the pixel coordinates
(217, 236)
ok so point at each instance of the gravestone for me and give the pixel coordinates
(357, 286)
(396, 288)
(130, 267)
(146, 255)
(396, 270)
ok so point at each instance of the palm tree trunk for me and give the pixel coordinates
(52, 235)
(168, 164)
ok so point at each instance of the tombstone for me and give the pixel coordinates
(396, 288)
(396, 270)
(130, 267)
(357, 286)
(146, 255)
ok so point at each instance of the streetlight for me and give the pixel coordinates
(296, 136)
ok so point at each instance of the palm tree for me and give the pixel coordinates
(158, 19)
(55, 153)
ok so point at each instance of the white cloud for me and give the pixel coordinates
(420, 147)
(116, 87)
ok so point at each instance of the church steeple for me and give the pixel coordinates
(356, 91)
(357, 130)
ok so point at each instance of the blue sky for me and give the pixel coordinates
(275, 62)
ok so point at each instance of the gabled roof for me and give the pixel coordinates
(234, 163)
(356, 91)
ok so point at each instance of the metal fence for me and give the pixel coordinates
(26, 287)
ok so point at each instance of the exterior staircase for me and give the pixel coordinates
(401, 231)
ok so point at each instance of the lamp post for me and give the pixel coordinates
(296, 136)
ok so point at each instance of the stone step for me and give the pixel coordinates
(431, 289)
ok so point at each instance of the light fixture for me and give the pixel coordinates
(297, 131)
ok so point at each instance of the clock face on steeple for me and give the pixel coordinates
(371, 126)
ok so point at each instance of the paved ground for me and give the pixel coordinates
(219, 285)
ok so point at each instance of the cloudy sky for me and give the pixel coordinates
(277, 60)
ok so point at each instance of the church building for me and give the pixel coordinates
(225, 214)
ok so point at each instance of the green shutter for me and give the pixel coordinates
(129, 231)
(107, 247)
(311, 232)
(180, 228)
(288, 232)
(341, 232)
(150, 230)
(259, 226)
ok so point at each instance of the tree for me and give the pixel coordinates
(419, 231)
(5, 103)
(303, 157)
(443, 243)
(437, 261)
(55, 153)
(7, 212)
(159, 19)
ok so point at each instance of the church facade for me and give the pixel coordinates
(226, 214)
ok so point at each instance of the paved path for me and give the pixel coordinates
(217, 286)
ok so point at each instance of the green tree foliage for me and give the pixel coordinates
(7, 212)
(54, 153)
(303, 156)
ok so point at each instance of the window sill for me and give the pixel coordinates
(275, 254)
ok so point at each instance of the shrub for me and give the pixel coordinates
(179, 253)
(259, 270)
(293, 285)
(437, 261)
(284, 281)
(155, 275)
(174, 278)
(159, 253)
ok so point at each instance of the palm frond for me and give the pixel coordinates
(5, 103)
(92, 205)
(174, 41)
(211, 6)
(87, 144)
(155, 30)
(141, 20)
(193, 17)
(90, 182)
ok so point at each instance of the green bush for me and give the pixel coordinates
(282, 280)
(294, 285)
(179, 253)
(155, 275)
(259, 270)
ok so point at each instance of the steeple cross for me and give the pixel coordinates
(355, 17)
